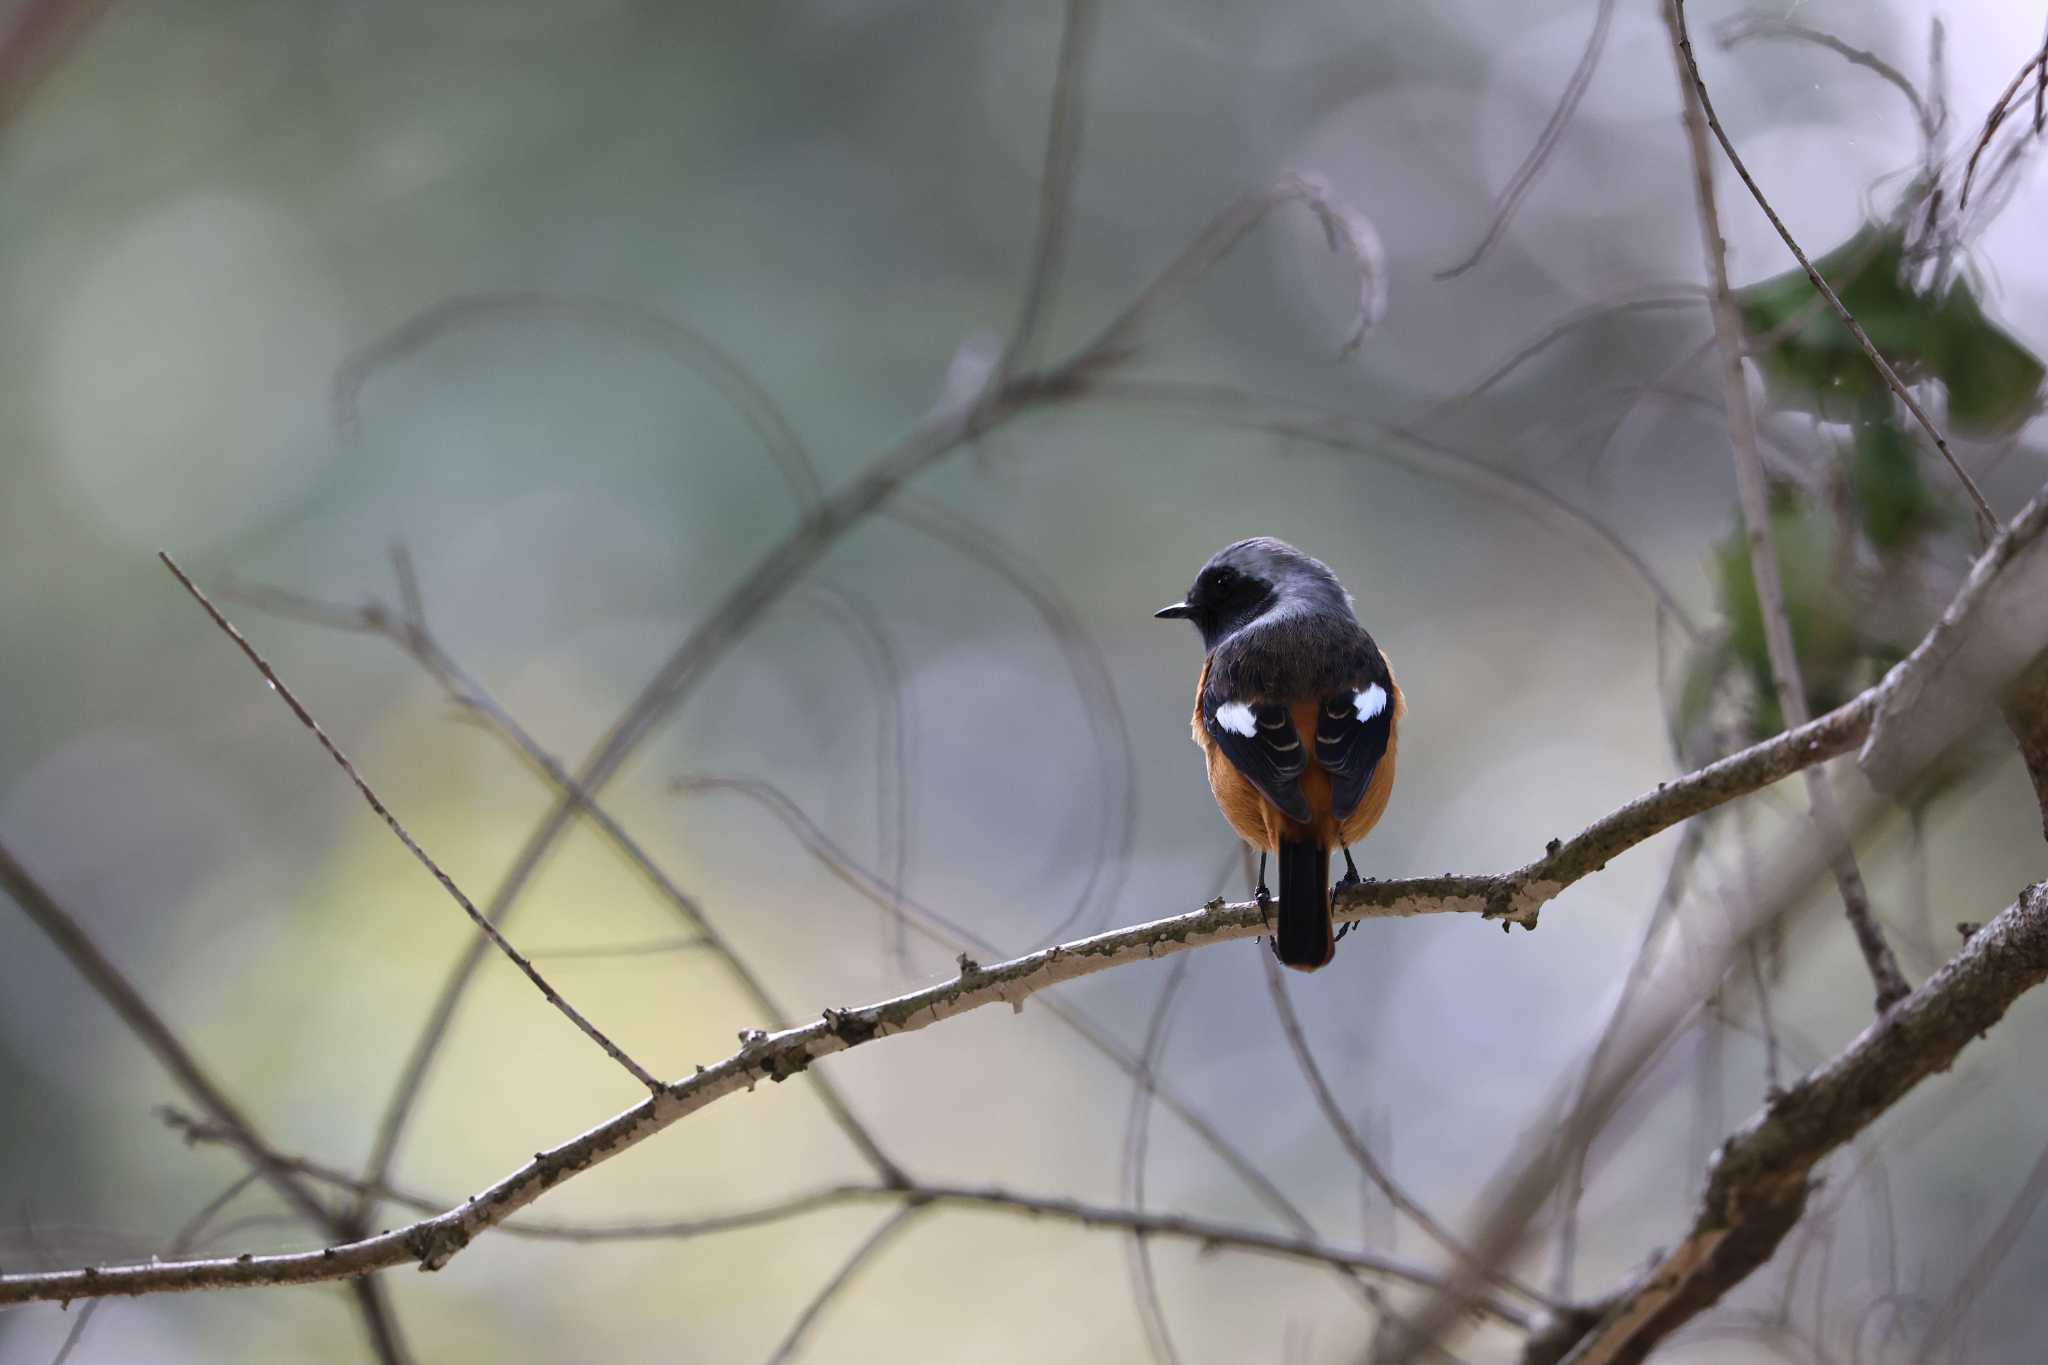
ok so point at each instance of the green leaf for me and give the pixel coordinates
(1892, 500)
(1825, 637)
(1810, 359)
(1993, 382)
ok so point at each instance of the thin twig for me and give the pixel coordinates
(1997, 1246)
(1056, 183)
(418, 642)
(1513, 897)
(1662, 911)
(871, 1246)
(412, 636)
(1760, 1178)
(995, 401)
(682, 342)
(180, 1242)
(1550, 336)
(1745, 28)
(1756, 516)
(746, 604)
(149, 1028)
(1209, 1233)
(895, 739)
(1525, 174)
(954, 936)
(391, 822)
(1987, 523)
(2036, 65)
(1137, 1142)
(1254, 411)
(1669, 1001)
(1355, 1145)
(643, 948)
(1116, 781)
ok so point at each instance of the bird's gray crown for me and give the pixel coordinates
(1293, 576)
(1258, 580)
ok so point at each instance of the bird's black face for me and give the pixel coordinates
(1222, 599)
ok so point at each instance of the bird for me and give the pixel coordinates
(1297, 716)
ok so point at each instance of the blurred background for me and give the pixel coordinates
(519, 287)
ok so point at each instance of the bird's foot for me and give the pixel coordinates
(1349, 881)
(1264, 898)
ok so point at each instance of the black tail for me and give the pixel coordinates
(1304, 940)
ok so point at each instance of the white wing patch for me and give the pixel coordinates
(1367, 704)
(1237, 718)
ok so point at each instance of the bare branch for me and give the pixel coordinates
(1094, 686)
(1349, 233)
(690, 348)
(943, 929)
(2036, 65)
(1514, 897)
(1137, 1142)
(412, 636)
(153, 1033)
(38, 36)
(643, 948)
(1758, 1183)
(1573, 1184)
(1550, 336)
(1209, 1233)
(884, 1233)
(1987, 523)
(2026, 714)
(1756, 517)
(1302, 1246)
(1989, 635)
(1405, 446)
(1361, 1154)
(1525, 174)
(1997, 1246)
(1753, 27)
(857, 619)
(184, 1239)
(1056, 182)
(237, 1129)
(993, 402)
(383, 812)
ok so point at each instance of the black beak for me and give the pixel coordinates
(1179, 611)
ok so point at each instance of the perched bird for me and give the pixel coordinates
(1297, 714)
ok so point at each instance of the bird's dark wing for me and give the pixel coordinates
(1352, 730)
(1260, 741)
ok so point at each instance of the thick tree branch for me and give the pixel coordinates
(1979, 653)
(2026, 714)
(1758, 1183)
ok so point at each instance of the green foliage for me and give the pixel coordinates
(1993, 382)
(1825, 635)
(1813, 363)
(1891, 496)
